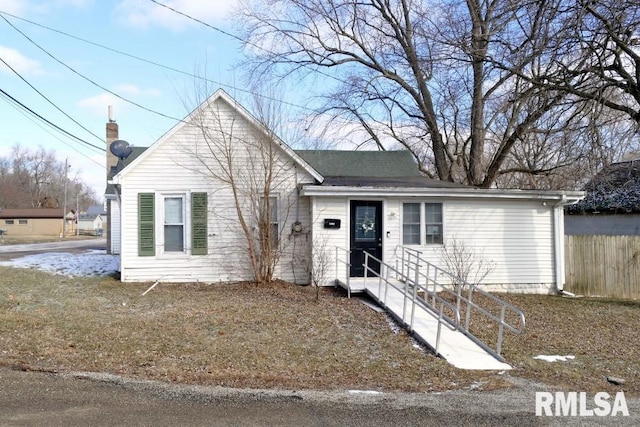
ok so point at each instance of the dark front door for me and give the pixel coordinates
(366, 235)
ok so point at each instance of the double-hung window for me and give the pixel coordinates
(433, 223)
(411, 223)
(174, 224)
(422, 219)
(180, 222)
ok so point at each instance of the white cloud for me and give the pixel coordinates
(15, 7)
(22, 7)
(99, 104)
(145, 14)
(19, 62)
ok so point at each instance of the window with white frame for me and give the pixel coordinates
(174, 224)
(23, 222)
(433, 223)
(8, 222)
(271, 216)
(422, 219)
(411, 223)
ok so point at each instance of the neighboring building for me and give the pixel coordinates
(32, 222)
(175, 222)
(612, 203)
(90, 224)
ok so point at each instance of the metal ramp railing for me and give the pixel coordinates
(446, 313)
(453, 302)
(433, 281)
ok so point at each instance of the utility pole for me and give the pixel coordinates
(64, 206)
(77, 213)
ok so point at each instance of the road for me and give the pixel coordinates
(14, 251)
(43, 399)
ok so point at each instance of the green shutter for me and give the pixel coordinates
(146, 228)
(199, 244)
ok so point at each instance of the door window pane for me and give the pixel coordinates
(365, 223)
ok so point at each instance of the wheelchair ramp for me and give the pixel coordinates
(455, 347)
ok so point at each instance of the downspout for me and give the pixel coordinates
(558, 237)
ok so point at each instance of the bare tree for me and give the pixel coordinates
(28, 177)
(462, 261)
(244, 163)
(419, 74)
(601, 57)
(321, 261)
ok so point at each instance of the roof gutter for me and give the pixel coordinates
(471, 192)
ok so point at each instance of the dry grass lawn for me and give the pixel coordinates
(239, 335)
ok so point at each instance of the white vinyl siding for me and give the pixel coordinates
(332, 238)
(515, 235)
(114, 223)
(175, 166)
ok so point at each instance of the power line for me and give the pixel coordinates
(226, 33)
(52, 135)
(48, 100)
(87, 78)
(157, 64)
(234, 36)
(49, 122)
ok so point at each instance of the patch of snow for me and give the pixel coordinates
(89, 263)
(364, 392)
(554, 358)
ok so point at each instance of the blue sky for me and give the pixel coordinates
(137, 27)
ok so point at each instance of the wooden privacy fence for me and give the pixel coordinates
(607, 266)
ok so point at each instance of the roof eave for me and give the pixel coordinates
(564, 196)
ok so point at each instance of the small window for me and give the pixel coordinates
(174, 224)
(22, 222)
(433, 223)
(8, 222)
(411, 223)
(270, 217)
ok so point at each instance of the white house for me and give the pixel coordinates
(91, 221)
(175, 217)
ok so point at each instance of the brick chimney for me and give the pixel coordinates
(112, 135)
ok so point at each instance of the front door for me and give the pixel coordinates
(366, 235)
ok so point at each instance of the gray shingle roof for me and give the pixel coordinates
(96, 210)
(615, 189)
(374, 164)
